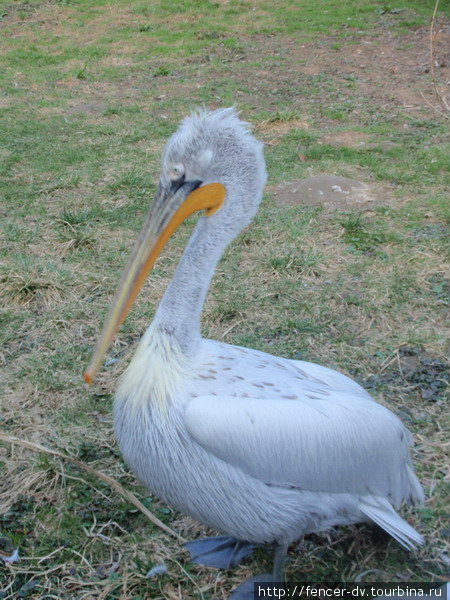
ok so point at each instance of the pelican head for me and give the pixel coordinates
(210, 163)
(217, 147)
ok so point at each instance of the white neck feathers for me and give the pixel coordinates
(156, 373)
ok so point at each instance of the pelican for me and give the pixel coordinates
(260, 448)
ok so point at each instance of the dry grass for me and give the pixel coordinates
(27, 485)
(30, 282)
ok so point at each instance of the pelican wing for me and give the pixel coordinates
(334, 442)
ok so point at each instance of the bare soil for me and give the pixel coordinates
(385, 68)
(389, 67)
(331, 192)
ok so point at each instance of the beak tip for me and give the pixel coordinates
(87, 377)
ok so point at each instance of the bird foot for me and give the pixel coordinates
(220, 552)
(248, 591)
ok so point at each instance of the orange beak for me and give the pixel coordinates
(170, 208)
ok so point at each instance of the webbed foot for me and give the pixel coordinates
(273, 581)
(221, 552)
(246, 591)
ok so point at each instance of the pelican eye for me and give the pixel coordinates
(177, 171)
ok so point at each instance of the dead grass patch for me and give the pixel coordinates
(31, 282)
(281, 128)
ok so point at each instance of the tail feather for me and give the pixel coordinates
(416, 492)
(381, 512)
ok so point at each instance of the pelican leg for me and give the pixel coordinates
(278, 563)
(221, 552)
(246, 591)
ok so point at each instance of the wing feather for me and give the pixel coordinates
(337, 443)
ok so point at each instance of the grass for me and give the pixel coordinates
(90, 91)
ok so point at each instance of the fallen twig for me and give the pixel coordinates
(433, 107)
(115, 485)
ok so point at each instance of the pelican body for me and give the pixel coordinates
(261, 448)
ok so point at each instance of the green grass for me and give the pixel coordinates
(90, 91)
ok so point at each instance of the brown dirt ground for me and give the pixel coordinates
(330, 192)
(388, 68)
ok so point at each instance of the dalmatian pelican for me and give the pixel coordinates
(260, 448)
